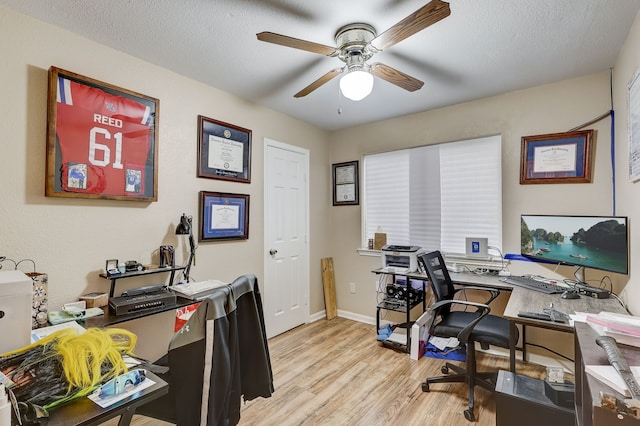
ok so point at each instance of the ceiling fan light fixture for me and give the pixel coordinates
(356, 85)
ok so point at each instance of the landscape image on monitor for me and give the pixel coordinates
(594, 242)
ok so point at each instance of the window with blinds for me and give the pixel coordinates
(435, 196)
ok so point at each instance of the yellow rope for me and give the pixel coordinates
(87, 359)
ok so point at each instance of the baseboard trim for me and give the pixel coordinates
(343, 314)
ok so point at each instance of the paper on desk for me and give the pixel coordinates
(130, 362)
(110, 400)
(579, 317)
(608, 375)
(39, 333)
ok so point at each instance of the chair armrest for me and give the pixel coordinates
(494, 292)
(464, 334)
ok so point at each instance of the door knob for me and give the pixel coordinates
(272, 252)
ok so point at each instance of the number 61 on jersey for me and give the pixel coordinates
(101, 140)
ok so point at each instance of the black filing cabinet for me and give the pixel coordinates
(521, 401)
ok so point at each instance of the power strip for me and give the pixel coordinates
(595, 292)
(455, 268)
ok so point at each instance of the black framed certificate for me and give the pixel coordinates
(345, 184)
(223, 216)
(224, 151)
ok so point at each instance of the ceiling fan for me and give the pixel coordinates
(357, 43)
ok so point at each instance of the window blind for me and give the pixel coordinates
(435, 196)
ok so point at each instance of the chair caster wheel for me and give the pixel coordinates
(468, 414)
(444, 369)
(425, 387)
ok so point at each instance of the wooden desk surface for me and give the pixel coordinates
(523, 299)
(480, 280)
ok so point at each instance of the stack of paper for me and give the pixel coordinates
(197, 290)
(608, 375)
(624, 328)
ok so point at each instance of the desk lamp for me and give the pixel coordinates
(185, 228)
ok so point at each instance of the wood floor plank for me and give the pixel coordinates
(336, 373)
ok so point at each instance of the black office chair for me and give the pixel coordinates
(474, 324)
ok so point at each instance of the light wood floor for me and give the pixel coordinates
(336, 373)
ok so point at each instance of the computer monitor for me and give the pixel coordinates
(598, 242)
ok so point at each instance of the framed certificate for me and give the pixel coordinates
(101, 140)
(557, 158)
(223, 216)
(224, 151)
(345, 184)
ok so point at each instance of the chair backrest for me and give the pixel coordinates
(439, 278)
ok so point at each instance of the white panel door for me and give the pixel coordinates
(286, 287)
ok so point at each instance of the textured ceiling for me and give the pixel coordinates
(484, 48)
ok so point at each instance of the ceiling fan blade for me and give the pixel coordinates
(296, 43)
(396, 77)
(427, 15)
(319, 82)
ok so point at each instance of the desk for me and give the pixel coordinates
(522, 299)
(85, 412)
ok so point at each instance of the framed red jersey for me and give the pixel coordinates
(101, 140)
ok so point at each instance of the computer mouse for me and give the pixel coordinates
(570, 294)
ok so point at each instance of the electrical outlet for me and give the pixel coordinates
(352, 288)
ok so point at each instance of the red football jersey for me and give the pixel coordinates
(103, 139)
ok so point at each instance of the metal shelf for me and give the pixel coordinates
(115, 277)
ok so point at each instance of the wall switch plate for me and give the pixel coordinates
(352, 288)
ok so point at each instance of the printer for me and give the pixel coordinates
(400, 259)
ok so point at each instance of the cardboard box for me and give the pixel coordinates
(420, 334)
(379, 240)
(95, 300)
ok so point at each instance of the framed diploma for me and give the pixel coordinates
(557, 158)
(223, 216)
(345, 184)
(102, 141)
(633, 101)
(224, 151)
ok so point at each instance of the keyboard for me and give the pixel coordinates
(533, 284)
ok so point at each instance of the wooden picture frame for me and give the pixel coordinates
(102, 140)
(345, 183)
(223, 216)
(224, 151)
(557, 158)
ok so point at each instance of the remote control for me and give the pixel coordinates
(534, 315)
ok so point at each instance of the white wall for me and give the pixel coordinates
(628, 193)
(70, 239)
